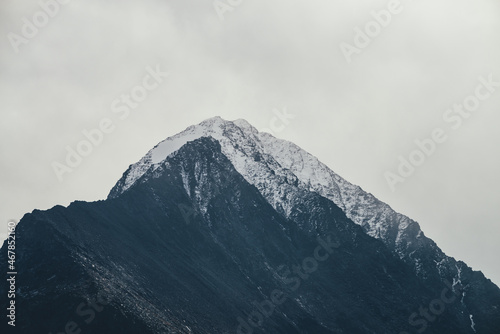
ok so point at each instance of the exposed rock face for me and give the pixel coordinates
(222, 229)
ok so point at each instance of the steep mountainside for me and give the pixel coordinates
(222, 229)
(281, 170)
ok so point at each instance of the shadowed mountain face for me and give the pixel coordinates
(192, 247)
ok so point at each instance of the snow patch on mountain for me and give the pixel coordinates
(473, 324)
(281, 170)
(283, 173)
(169, 146)
(270, 163)
(162, 151)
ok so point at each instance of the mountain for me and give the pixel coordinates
(224, 229)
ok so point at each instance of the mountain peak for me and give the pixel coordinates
(282, 171)
(213, 121)
(205, 222)
(242, 123)
(215, 127)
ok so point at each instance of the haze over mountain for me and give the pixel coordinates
(224, 229)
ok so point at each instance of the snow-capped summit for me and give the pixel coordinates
(279, 168)
(214, 223)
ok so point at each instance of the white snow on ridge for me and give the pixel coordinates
(241, 142)
(376, 217)
(164, 149)
(171, 145)
(281, 171)
(266, 162)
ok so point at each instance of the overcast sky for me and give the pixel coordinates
(357, 110)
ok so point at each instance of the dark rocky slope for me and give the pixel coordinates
(192, 246)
